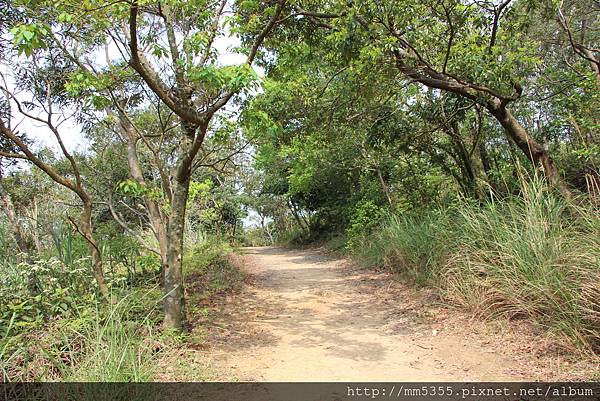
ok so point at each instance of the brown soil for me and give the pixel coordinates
(306, 317)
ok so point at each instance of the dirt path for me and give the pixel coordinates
(305, 317)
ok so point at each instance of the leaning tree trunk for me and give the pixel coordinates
(463, 160)
(35, 235)
(15, 225)
(154, 213)
(533, 150)
(495, 103)
(85, 222)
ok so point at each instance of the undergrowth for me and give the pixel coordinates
(209, 268)
(534, 255)
(54, 326)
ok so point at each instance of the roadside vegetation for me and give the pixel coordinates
(56, 328)
(533, 256)
(455, 143)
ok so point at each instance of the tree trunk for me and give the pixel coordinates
(529, 146)
(168, 229)
(463, 160)
(15, 224)
(154, 214)
(485, 158)
(174, 302)
(296, 215)
(384, 187)
(85, 226)
(35, 235)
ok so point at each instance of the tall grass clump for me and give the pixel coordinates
(119, 344)
(411, 245)
(534, 255)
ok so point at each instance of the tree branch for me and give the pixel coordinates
(141, 65)
(258, 41)
(497, 14)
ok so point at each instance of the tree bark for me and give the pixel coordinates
(85, 227)
(462, 159)
(296, 215)
(156, 217)
(384, 187)
(485, 158)
(174, 303)
(35, 235)
(529, 146)
(15, 224)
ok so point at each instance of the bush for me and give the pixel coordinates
(209, 269)
(108, 342)
(55, 326)
(292, 237)
(256, 236)
(366, 216)
(34, 292)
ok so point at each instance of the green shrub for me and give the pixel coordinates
(33, 292)
(366, 216)
(209, 269)
(412, 246)
(292, 237)
(105, 342)
(256, 236)
(55, 326)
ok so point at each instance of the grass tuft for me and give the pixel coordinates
(533, 256)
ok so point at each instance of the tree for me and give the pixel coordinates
(200, 91)
(171, 46)
(579, 21)
(483, 57)
(42, 90)
(14, 221)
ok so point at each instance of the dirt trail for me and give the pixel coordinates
(305, 317)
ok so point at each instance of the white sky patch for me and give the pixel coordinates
(225, 46)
